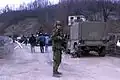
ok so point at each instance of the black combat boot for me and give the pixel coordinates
(57, 74)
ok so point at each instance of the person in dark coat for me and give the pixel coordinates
(32, 41)
(42, 42)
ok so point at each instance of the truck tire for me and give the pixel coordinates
(102, 52)
(102, 55)
(79, 54)
(86, 53)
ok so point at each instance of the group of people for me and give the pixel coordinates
(34, 40)
(41, 40)
(59, 45)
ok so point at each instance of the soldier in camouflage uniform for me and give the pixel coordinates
(57, 41)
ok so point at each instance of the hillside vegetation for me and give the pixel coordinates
(41, 15)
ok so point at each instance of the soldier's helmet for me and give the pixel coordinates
(58, 22)
(58, 25)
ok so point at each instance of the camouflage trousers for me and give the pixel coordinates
(57, 56)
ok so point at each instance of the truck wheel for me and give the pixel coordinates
(102, 52)
(86, 53)
(79, 54)
(102, 55)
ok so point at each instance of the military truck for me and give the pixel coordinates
(91, 36)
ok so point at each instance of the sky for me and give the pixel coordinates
(16, 3)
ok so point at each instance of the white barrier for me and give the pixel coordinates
(18, 45)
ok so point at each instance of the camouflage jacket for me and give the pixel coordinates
(57, 39)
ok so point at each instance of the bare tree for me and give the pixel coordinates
(23, 6)
(6, 9)
(35, 4)
(106, 7)
(29, 6)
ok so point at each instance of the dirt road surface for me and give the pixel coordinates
(24, 65)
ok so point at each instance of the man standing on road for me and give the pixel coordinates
(42, 42)
(32, 41)
(46, 42)
(57, 40)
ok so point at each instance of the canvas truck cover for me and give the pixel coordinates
(92, 30)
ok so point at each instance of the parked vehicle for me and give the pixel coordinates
(91, 36)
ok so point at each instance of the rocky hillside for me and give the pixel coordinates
(27, 26)
(35, 18)
(27, 22)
